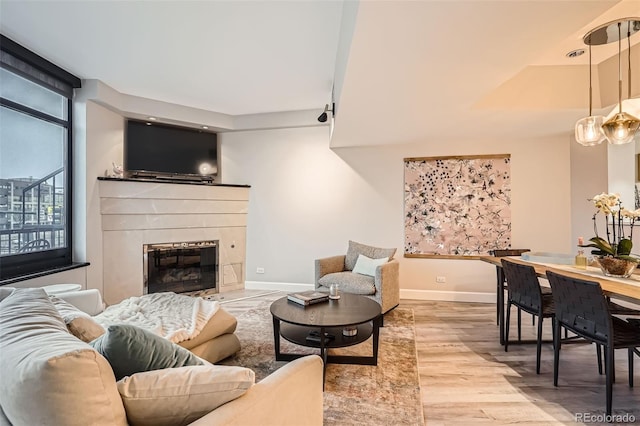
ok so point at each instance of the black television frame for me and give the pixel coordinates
(132, 172)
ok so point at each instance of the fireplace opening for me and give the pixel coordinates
(181, 267)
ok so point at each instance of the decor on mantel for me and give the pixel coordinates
(614, 254)
(457, 206)
(622, 127)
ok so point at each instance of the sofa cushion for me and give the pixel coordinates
(367, 266)
(79, 323)
(356, 249)
(130, 349)
(350, 282)
(220, 323)
(49, 377)
(178, 396)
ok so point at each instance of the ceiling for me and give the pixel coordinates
(404, 71)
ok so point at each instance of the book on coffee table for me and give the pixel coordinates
(308, 297)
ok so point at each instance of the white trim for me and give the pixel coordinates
(267, 285)
(448, 296)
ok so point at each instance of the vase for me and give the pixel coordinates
(614, 267)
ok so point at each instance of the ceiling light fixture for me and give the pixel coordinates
(323, 117)
(152, 118)
(575, 53)
(622, 127)
(589, 129)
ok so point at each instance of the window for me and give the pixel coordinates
(35, 162)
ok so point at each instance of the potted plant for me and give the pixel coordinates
(614, 254)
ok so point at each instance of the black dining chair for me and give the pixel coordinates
(501, 287)
(525, 293)
(582, 307)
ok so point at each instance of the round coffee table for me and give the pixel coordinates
(296, 323)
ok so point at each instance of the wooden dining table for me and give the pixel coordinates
(627, 289)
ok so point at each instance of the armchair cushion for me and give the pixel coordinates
(350, 282)
(356, 249)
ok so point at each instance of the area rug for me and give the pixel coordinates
(388, 393)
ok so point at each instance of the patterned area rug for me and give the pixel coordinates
(388, 393)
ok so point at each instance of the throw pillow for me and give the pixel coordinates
(367, 266)
(85, 328)
(130, 349)
(179, 396)
(79, 323)
(356, 249)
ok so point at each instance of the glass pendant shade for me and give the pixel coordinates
(589, 130)
(621, 128)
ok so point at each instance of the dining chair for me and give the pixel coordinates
(525, 293)
(582, 307)
(500, 284)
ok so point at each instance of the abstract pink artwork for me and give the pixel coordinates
(457, 206)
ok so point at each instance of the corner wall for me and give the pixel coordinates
(308, 200)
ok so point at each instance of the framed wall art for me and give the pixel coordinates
(456, 206)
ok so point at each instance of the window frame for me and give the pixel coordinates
(50, 76)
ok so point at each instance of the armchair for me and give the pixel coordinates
(378, 282)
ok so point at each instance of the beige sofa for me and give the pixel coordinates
(50, 377)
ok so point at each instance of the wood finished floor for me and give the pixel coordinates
(466, 377)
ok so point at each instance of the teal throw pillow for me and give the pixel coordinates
(131, 349)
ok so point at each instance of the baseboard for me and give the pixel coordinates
(448, 296)
(266, 285)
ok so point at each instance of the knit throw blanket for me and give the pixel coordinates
(173, 316)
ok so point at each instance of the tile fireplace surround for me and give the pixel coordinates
(135, 213)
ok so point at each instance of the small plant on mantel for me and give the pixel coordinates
(617, 219)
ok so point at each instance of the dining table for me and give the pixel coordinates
(627, 289)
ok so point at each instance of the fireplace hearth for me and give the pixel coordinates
(181, 267)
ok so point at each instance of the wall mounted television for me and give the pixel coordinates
(165, 151)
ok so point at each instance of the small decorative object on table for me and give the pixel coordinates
(308, 297)
(118, 170)
(333, 292)
(350, 331)
(581, 259)
(314, 336)
(614, 254)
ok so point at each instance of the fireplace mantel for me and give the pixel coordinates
(176, 180)
(134, 213)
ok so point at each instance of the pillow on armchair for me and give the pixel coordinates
(356, 249)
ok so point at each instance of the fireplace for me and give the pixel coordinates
(181, 267)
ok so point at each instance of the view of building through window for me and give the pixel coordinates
(33, 141)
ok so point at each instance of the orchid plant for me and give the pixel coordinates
(618, 244)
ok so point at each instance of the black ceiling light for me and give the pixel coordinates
(323, 117)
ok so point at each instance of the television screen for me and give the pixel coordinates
(151, 147)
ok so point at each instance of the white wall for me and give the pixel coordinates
(589, 178)
(307, 201)
(105, 136)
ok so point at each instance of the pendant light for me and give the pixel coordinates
(622, 127)
(589, 129)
